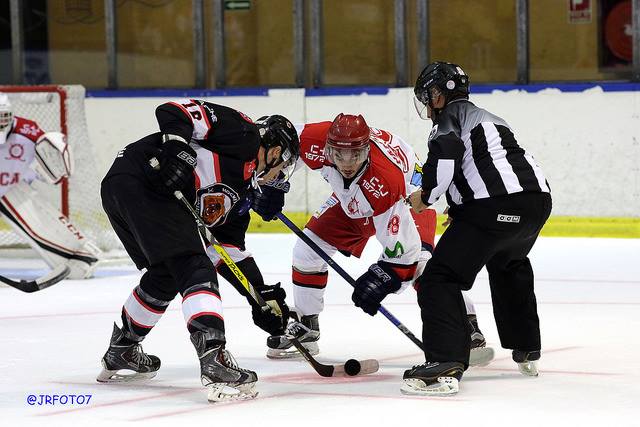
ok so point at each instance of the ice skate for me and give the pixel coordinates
(121, 358)
(480, 355)
(220, 373)
(308, 333)
(526, 361)
(432, 379)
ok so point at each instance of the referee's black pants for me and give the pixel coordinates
(497, 233)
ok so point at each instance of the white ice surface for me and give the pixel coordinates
(589, 298)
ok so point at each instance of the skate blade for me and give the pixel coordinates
(114, 376)
(446, 386)
(530, 369)
(292, 352)
(224, 392)
(481, 356)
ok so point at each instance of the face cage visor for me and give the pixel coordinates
(346, 157)
(6, 118)
(421, 108)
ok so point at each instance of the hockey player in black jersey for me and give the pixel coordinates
(498, 202)
(224, 164)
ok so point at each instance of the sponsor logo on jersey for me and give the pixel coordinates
(509, 218)
(214, 203)
(396, 252)
(331, 202)
(315, 154)
(27, 129)
(374, 186)
(9, 178)
(16, 151)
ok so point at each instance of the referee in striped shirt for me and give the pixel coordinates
(498, 202)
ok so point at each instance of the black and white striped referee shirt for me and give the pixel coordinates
(473, 154)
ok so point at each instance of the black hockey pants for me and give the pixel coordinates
(499, 233)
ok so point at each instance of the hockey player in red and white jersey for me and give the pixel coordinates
(371, 172)
(28, 153)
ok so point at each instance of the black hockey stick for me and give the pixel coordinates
(317, 249)
(54, 276)
(350, 367)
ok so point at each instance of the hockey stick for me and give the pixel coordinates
(350, 367)
(318, 250)
(54, 276)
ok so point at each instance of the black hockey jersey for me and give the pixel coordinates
(226, 142)
(473, 154)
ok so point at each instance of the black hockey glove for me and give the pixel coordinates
(373, 286)
(267, 320)
(177, 163)
(268, 201)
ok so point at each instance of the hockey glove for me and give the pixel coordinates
(268, 200)
(177, 163)
(373, 286)
(269, 321)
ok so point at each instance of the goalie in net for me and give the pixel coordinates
(28, 153)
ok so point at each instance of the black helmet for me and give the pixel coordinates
(449, 78)
(277, 131)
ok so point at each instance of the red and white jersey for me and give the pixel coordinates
(378, 192)
(17, 153)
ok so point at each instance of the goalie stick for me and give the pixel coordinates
(51, 278)
(282, 217)
(350, 368)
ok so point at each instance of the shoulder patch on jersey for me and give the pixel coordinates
(214, 203)
(312, 141)
(27, 128)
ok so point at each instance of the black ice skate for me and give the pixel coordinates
(126, 357)
(432, 379)
(526, 361)
(480, 355)
(307, 331)
(220, 373)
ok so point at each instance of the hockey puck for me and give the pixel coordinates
(352, 367)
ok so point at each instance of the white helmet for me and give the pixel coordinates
(6, 116)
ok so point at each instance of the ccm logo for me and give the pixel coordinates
(509, 218)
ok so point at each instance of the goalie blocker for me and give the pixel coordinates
(48, 231)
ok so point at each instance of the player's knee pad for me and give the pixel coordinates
(52, 235)
(189, 270)
(306, 259)
(158, 283)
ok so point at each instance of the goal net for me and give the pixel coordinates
(61, 109)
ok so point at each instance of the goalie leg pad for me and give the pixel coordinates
(52, 235)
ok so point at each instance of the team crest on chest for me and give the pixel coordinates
(353, 206)
(16, 151)
(214, 203)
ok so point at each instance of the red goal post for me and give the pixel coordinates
(61, 108)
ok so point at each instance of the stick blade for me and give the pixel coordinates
(54, 276)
